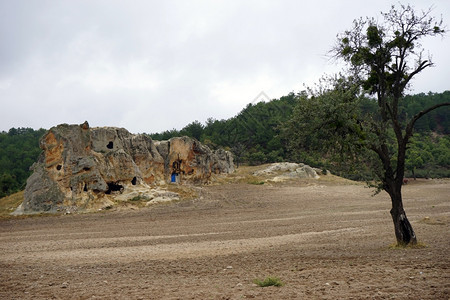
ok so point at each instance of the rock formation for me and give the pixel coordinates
(81, 165)
(288, 170)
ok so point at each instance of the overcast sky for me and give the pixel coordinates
(151, 66)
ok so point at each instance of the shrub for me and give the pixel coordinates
(269, 281)
(256, 182)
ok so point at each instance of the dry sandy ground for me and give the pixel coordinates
(322, 239)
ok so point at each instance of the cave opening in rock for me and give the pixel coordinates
(85, 188)
(110, 145)
(114, 187)
(134, 181)
(58, 167)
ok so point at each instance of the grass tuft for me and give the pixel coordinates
(9, 203)
(269, 281)
(397, 246)
(138, 198)
(256, 182)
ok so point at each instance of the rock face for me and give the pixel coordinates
(81, 165)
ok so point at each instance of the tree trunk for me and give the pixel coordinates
(404, 232)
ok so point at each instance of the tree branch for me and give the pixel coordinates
(421, 67)
(414, 119)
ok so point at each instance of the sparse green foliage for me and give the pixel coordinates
(256, 182)
(138, 198)
(269, 281)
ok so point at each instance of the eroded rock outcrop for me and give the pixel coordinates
(81, 166)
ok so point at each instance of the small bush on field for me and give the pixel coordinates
(137, 198)
(256, 182)
(269, 281)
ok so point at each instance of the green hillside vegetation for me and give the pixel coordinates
(255, 137)
(437, 120)
(19, 149)
(428, 156)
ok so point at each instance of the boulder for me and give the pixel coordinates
(279, 167)
(286, 170)
(80, 166)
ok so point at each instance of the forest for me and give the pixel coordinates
(256, 136)
(19, 149)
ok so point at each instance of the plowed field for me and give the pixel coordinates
(322, 239)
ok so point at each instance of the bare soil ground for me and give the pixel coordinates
(325, 239)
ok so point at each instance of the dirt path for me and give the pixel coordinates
(323, 240)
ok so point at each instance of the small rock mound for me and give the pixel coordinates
(286, 170)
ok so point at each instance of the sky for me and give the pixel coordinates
(150, 66)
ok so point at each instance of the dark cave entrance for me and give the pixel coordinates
(110, 145)
(114, 187)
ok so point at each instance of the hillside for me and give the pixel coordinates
(19, 149)
(255, 137)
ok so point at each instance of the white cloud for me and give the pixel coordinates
(155, 65)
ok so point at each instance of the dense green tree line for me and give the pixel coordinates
(428, 156)
(437, 120)
(254, 134)
(19, 149)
